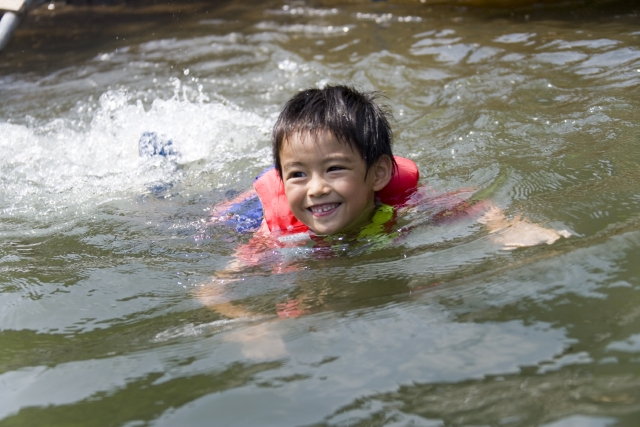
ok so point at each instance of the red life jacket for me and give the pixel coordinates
(278, 215)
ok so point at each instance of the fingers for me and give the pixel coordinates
(289, 309)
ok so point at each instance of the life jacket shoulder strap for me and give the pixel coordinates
(275, 206)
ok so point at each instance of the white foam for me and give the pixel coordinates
(60, 164)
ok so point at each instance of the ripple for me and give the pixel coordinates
(514, 38)
(560, 58)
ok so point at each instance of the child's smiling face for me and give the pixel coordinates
(327, 184)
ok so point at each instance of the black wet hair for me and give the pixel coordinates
(353, 117)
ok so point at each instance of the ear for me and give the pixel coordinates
(382, 172)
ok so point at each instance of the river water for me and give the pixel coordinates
(103, 253)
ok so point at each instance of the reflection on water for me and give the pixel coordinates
(103, 253)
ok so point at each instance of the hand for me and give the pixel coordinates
(517, 232)
(213, 295)
(259, 342)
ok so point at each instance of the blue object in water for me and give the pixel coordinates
(243, 216)
(151, 144)
(246, 215)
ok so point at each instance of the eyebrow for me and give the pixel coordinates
(291, 165)
(330, 158)
(338, 157)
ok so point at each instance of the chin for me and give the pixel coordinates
(324, 230)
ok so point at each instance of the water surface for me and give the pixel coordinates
(103, 253)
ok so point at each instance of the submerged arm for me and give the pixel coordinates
(214, 294)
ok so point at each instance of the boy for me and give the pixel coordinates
(334, 167)
(335, 173)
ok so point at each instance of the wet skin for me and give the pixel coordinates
(327, 183)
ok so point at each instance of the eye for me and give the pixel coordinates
(335, 168)
(296, 174)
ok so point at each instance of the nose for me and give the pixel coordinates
(318, 186)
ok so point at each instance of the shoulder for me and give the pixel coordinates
(403, 183)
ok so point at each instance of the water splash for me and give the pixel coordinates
(63, 165)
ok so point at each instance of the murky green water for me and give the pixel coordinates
(100, 323)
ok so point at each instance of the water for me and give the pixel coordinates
(103, 254)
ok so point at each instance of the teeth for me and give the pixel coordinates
(323, 208)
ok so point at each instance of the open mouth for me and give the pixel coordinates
(323, 209)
